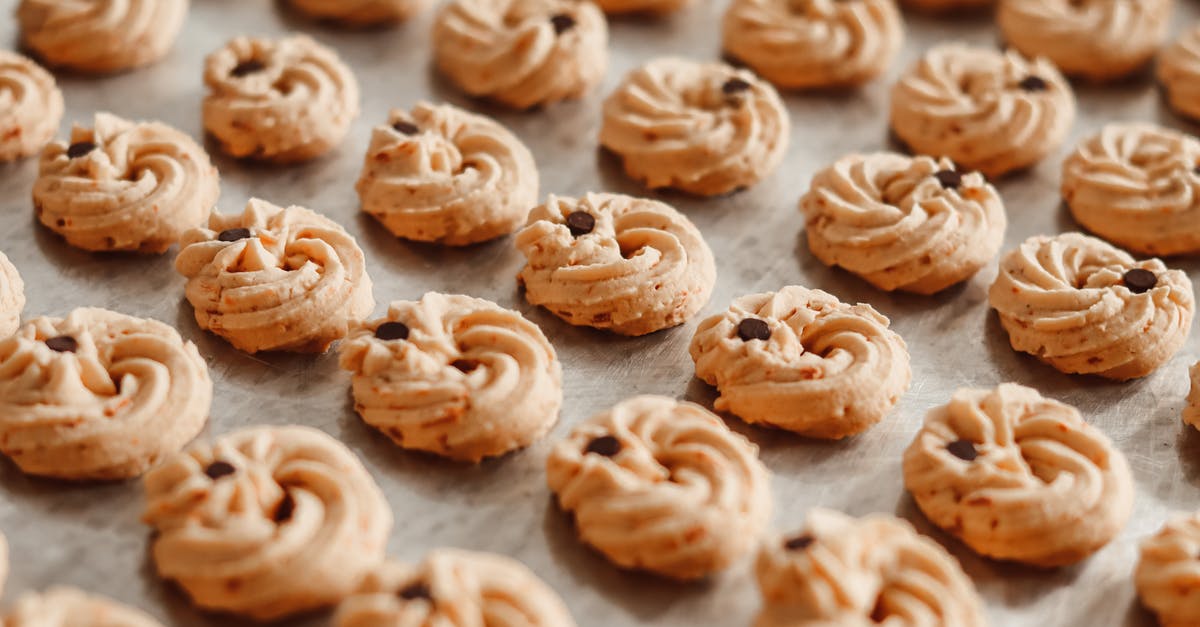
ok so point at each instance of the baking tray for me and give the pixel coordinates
(90, 535)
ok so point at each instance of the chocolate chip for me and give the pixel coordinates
(407, 128)
(963, 449)
(285, 509)
(1140, 280)
(799, 543)
(233, 235)
(392, 331)
(753, 329)
(62, 344)
(1033, 83)
(415, 590)
(219, 469)
(605, 445)
(734, 86)
(580, 223)
(562, 23)
(465, 365)
(79, 149)
(949, 179)
(247, 67)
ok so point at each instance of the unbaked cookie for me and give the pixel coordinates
(522, 53)
(1019, 477)
(876, 570)
(629, 265)
(32, 109)
(361, 12)
(814, 43)
(98, 395)
(454, 375)
(275, 279)
(1168, 572)
(1179, 72)
(266, 522)
(442, 174)
(1136, 185)
(124, 186)
(1095, 39)
(12, 297)
(67, 607)
(663, 486)
(1191, 413)
(278, 100)
(703, 128)
(915, 224)
(1086, 307)
(987, 110)
(100, 37)
(454, 587)
(801, 360)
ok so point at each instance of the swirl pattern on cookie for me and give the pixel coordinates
(814, 43)
(522, 53)
(98, 395)
(455, 376)
(124, 186)
(801, 360)
(987, 110)
(361, 12)
(455, 587)
(1086, 307)
(1136, 185)
(442, 174)
(1179, 73)
(875, 570)
(629, 265)
(1167, 576)
(1019, 477)
(278, 100)
(266, 522)
(703, 128)
(275, 279)
(68, 607)
(662, 485)
(1095, 39)
(103, 35)
(31, 106)
(12, 297)
(915, 224)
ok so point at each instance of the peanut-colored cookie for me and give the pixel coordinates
(1179, 73)
(1191, 412)
(12, 297)
(32, 107)
(100, 36)
(1168, 572)
(361, 12)
(67, 607)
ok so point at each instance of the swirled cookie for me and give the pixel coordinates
(1191, 413)
(278, 100)
(441, 174)
(1019, 477)
(663, 486)
(275, 279)
(266, 522)
(454, 375)
(12, 297)
(454, 587)
(1086, 307)
(947, 5)
(915, 224)
(876, 570)
(814, 43)
(98, 395)
(987, 110)
(67, 607)
(100, 37)
(31, 106)
(1167, 576)
(1179, 73)
(1095, 39)
(124, 186)
(361, 12)
(629, 265)
(801, 360)
(1135, 184)
(703, 128)
(522, 53)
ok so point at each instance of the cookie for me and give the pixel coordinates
(455, 376)
(68, 607)
(124, 186)
(33, 107)
(100, 37)
(1191, 413)
(801, 360)
(1086, 307)
(1167, 576)
(703, 128)
(875, 570)
(814, 43)
(1094, 39)
(663, 486)
(442, 174)
(1134, 184)
(628, 265)
(915, 224)
(266, 522)
(12, 297)
(454, 587)
(1179, 73)
(987, 110)
(278, 100)
(98, 395)
(1019, 477)
(360, 13)
(943, 6)
(521, 53)
(275, 279)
